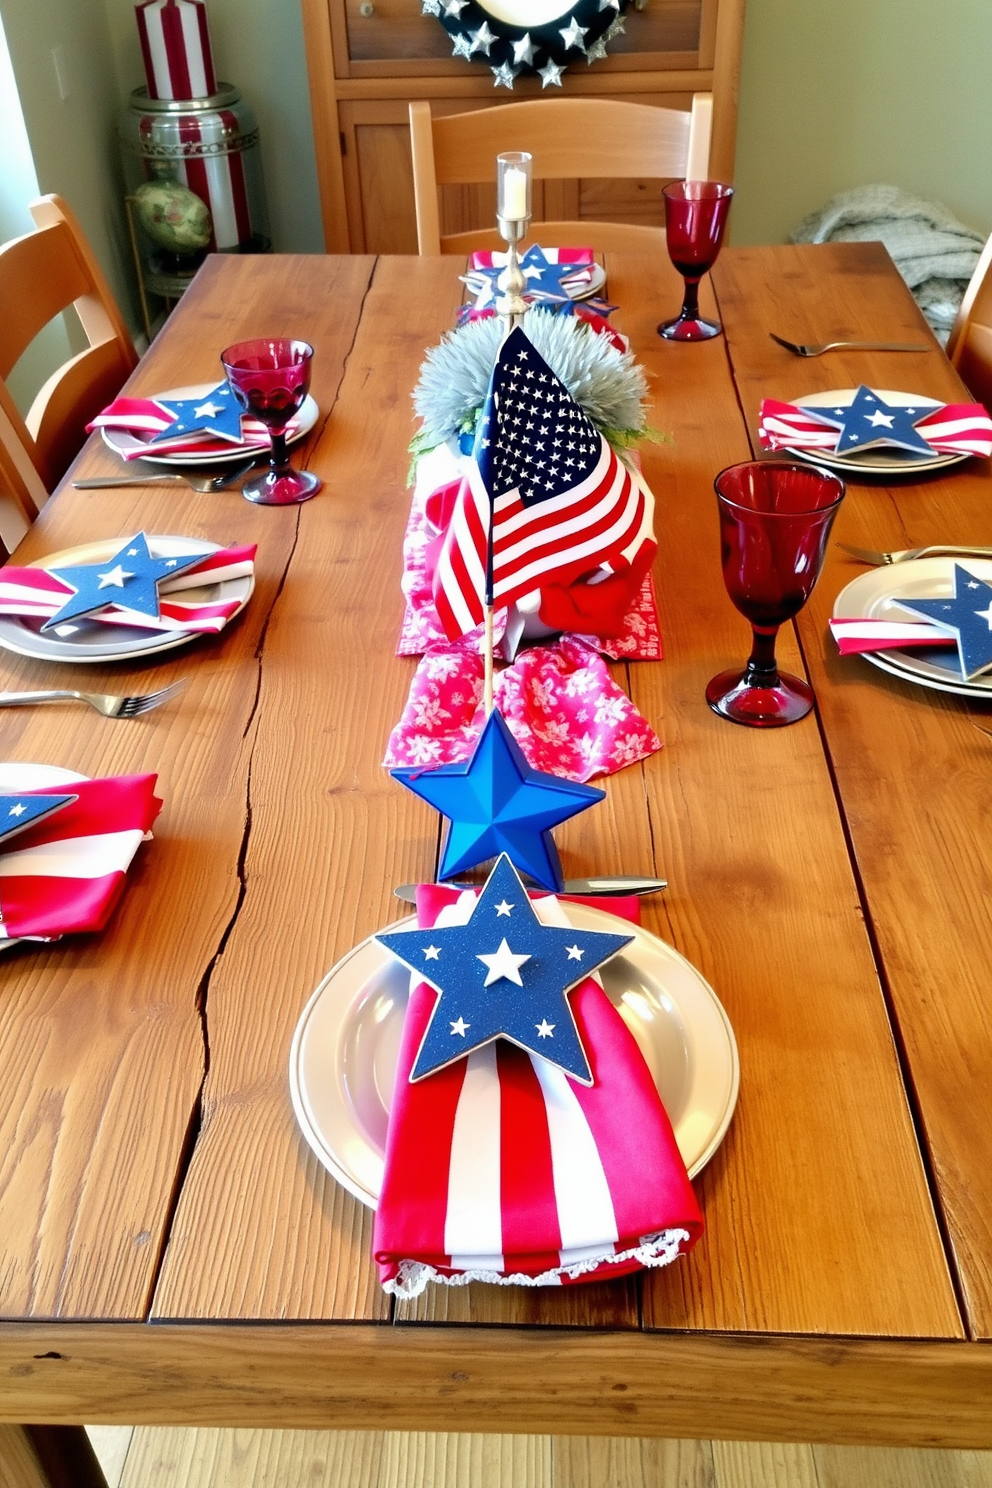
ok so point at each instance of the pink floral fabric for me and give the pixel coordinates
(560, 702)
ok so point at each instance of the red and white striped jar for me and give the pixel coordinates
(210, 145)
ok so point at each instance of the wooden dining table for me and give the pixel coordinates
(171, 1251)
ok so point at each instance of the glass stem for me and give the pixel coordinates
(279, 458)
(690, 303)
(762, 668)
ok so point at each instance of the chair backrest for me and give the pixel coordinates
(569, 138)
(969, 345)
(42, 274)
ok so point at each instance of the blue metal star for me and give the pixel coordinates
(217, 412)
(968, 615)
(497, 804)
(503, 975)
(871, 421)
(129, 579)
(19, 812)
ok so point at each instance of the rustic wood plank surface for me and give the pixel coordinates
(911, 771)
(610, 1382)
(817, 1209)
(278, 851)
(101, 1037)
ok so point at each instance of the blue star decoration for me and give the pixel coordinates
(20, 812)
(543, 278)
(496, 803)
(216, 413)
(129, 579)
(502, 975)
(967, 614)
(869, 421)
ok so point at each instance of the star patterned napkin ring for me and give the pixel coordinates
(869, 422)
(504, 974)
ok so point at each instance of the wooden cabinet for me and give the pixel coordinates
(368, 58)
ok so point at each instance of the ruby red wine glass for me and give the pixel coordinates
(695, 219)
(270, 378)
(775, 519)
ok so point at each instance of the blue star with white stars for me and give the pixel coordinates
(870, 421)
(967, 614)
(217, 413)
(129, 579)
(544, 278)
(19, 812)
(502, 975)
(496, 803)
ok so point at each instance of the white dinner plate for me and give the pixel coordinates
(124, 444)
(880, 461)
(16, 777)
(92, 641)
(873, 596)
(343, 1061)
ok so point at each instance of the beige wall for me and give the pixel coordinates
(841, 93)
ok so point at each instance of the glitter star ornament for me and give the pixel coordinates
(967, 615)
(19, 812)
(217, 413)
(129, 579)
(504, 974)
(870, 421)
(495, 803)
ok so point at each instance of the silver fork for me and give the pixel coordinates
(110, 704)
(904, 555)
(205, 484)
(817, 349)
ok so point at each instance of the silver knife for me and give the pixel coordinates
(617, 884)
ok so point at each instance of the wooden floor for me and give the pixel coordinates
(167, 1457)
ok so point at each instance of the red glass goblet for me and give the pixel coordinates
(270, 378)
(695, 218)
(775, 519)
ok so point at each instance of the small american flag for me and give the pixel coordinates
(561, 504)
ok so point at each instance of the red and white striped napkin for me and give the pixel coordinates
(953, 428)
(143, 417)
(36, 592)
(501, 1168)
(67, 873)
(856, 636)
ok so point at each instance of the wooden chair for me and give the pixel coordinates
(569, 138)
(42, 274)
(969, 345)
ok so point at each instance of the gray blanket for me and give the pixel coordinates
(934, 252)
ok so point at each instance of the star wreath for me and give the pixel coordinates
(578, 31)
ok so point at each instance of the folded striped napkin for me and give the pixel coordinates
(856, 636)
(148, 419)
(66, 874)
(953, 428)
(502, 1168)
(36, 592)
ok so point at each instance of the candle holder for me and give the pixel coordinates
(513, 181)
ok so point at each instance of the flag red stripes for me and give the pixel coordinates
(68, 872)
(499, 1166)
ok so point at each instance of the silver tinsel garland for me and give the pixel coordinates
(606, 382)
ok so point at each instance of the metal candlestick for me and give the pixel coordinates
(511, 282)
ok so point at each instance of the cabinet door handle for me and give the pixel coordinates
(366, 9)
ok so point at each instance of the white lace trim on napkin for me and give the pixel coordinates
(652, 1250)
